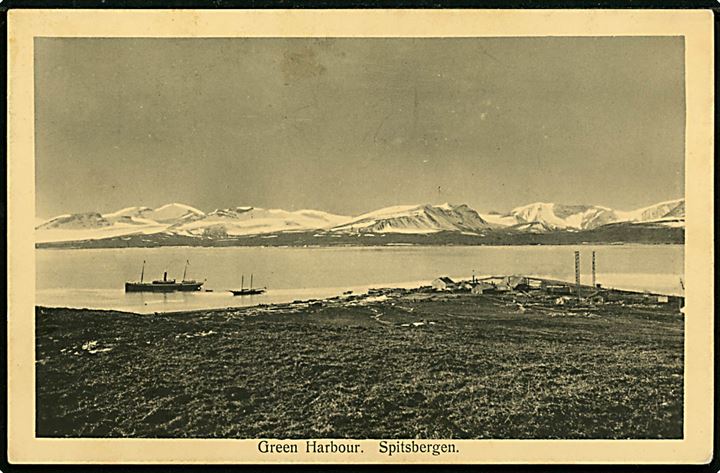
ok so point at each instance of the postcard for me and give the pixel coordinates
(360, 236)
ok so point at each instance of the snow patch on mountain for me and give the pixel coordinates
(417, 219)
(670, 209)
(173, 212)
(531, 227)
(499, 220)
(128, 212)
(254, 221)
(71, 231)
(79, 221)
(55, 235)
(562, 217)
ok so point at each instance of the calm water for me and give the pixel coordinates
(95, 278)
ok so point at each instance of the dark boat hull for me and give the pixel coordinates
(247, 292)
(167, 287)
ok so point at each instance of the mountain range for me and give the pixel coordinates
(185, 221)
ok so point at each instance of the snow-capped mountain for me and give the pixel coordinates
(564, 217)
(547, 217)
(672, 209)
(186, 221)
(94, 226)
(169, 213)
(417, 219)
(255, 221)
(173, 213)
(75, 222)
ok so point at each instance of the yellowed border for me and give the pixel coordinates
(695, 26)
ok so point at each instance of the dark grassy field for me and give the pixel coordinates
(480, 370)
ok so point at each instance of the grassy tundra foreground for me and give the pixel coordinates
(476, 368)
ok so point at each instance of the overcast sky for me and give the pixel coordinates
(352, 125)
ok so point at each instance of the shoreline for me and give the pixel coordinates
(396, 293)
(328, 301)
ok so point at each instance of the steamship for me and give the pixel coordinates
(164, 284)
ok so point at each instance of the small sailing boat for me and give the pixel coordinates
(246, 292)
(164, 284)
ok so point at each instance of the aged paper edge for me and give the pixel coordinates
(695, 25)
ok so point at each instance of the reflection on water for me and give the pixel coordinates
(95, 278)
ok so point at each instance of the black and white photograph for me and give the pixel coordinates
(329, 239)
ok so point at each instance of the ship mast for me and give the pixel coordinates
(242, 282)
(251, 275)
(187, 262)
(142, 272)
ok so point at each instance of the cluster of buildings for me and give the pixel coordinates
(560, 292)
(493, 284)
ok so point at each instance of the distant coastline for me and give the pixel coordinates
(607, 235)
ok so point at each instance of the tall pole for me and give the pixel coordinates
(187, 262)
(577, 273)
(142, 272)
(594, 282)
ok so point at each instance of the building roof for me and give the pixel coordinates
(446, 280)
(482, 284)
